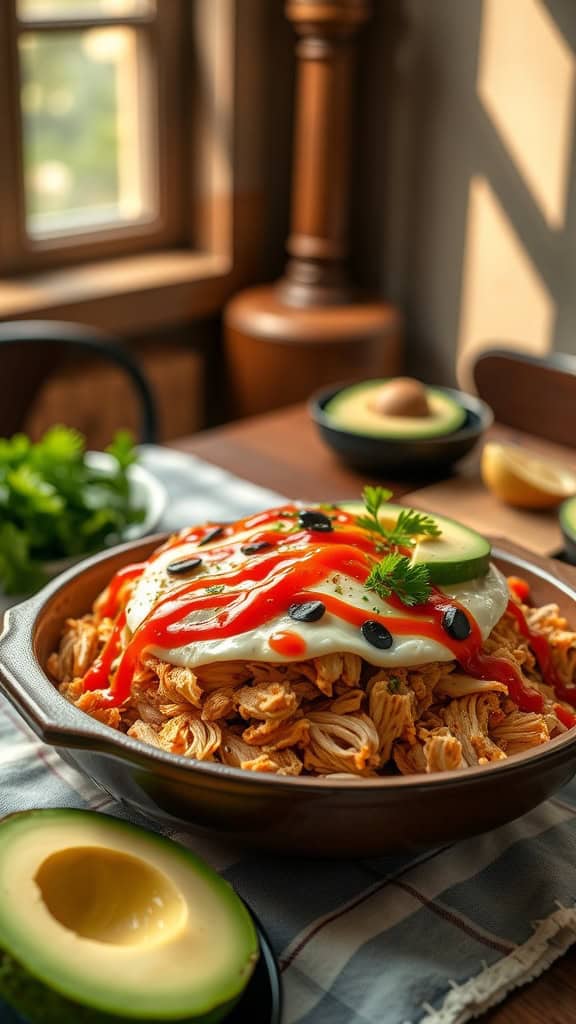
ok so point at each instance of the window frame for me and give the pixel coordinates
(163, 33)
(225, 218)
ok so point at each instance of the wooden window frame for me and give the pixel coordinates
(163, 32)
(223, 221)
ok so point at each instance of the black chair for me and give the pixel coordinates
(32, 349)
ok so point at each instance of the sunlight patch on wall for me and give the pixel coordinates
(505, 302)
(526, 81)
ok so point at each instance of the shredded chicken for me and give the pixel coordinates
(467, 719)
(342, 743)
(268, 701)
(519, 731)
(393, 716)
(187, 734)
(334, 716)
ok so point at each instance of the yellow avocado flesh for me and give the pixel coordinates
(351, 410)
(118, 919)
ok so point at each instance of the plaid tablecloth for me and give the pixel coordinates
(431, 939)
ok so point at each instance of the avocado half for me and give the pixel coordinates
(102, 922)
(350, 409)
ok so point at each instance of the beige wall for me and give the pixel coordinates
(465, 186)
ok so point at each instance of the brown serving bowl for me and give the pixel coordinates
(304, 815)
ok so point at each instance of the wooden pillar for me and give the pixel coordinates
(312, 327)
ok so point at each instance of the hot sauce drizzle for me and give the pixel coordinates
(263, 588)
(108, 606)
(97, 676)
(288, 644)
(541, 649)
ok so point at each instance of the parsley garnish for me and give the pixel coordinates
(217, 588)
(410, 524)
(396, 574)
(54, 505)
(374, 498)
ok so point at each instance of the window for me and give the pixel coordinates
(90, 129)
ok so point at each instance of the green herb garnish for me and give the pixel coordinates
(374, 498)
(53, 505)
(217, 588)
(410, 524)
(396, 574)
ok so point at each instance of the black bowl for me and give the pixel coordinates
(406, 455)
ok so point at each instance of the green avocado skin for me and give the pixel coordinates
(41, 1005)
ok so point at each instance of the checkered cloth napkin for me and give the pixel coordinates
(429, 939)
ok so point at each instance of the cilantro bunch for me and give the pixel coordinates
(53, 505)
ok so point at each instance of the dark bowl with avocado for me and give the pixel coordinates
(452, 435)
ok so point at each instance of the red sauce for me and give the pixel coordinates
(539, 644)
(289, 645)
(486, 666)
(97, 677)
(108, 607)
(263, 588)
(519, 588)
(565, 716)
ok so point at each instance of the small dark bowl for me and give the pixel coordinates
(427, 455)
(302, 815)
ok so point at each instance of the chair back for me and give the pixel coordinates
(30, 350)
(530, 393)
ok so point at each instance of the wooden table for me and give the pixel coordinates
(282, 451)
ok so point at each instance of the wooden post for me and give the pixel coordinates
(311, 327)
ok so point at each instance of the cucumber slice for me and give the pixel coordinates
(457, 555)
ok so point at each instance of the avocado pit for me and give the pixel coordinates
(402, 396)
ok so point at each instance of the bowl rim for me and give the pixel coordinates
(471, 403)
(92, 736)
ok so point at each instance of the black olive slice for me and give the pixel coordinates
(183, 566)
(254, 549)
(456, 623)
(310, 519)
(212, 535)
(377, 634)
(308, 611)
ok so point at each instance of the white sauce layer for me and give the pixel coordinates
(485, 599)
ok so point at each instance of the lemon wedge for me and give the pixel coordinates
(525, 480)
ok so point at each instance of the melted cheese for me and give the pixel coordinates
(485, 599)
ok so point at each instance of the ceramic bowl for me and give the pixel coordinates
(304, 815)
(405, 456)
